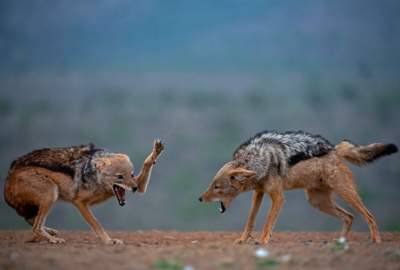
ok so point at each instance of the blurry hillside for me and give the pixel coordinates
(203, 77)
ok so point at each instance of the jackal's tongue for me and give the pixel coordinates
(221, 207)
(120, 194)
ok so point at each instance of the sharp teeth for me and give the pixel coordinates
(222, 208)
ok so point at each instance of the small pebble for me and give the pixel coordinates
(261, 253)
(342, 240)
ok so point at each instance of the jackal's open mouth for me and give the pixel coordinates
(120, 194)
(221, 207)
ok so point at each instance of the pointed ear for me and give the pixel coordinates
(240, 178)
(100, 163)
(242, 173)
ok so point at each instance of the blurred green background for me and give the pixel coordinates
(203, 76)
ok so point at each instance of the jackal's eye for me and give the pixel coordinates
(120, 176)
(217, 187)
(132, 174)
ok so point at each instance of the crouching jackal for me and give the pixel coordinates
(271, 162)
(82, 175)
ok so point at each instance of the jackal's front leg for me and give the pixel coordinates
(255, 206)
(278, 200)
(143, 178)
(94, 224)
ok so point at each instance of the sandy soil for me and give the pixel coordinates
(200, 250)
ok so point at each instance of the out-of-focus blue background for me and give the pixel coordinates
(203, 76)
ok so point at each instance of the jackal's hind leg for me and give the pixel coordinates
(343, 185)
(51, 231)
(37, 188)
(350, 195)
(323, 201)
(38, 227)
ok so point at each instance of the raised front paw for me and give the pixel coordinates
(114, 242)
(158, 147)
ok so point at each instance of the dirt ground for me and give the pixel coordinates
(170, 250)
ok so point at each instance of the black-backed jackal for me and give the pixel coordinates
(82, 175)
(272, 162)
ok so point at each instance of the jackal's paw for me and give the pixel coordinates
(114, 242)
(51, 231)
(56, 240)
(263, 241)
(376, 239)
(239, 241)
(253, 241)
(244, 239)
(158, 147)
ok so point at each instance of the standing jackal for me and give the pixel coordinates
(82, 175)
(271, 162)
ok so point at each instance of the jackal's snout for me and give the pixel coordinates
(229, 181)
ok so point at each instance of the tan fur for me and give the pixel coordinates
(321, 177)
(42, 188)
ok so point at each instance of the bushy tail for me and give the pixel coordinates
(363, 154)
